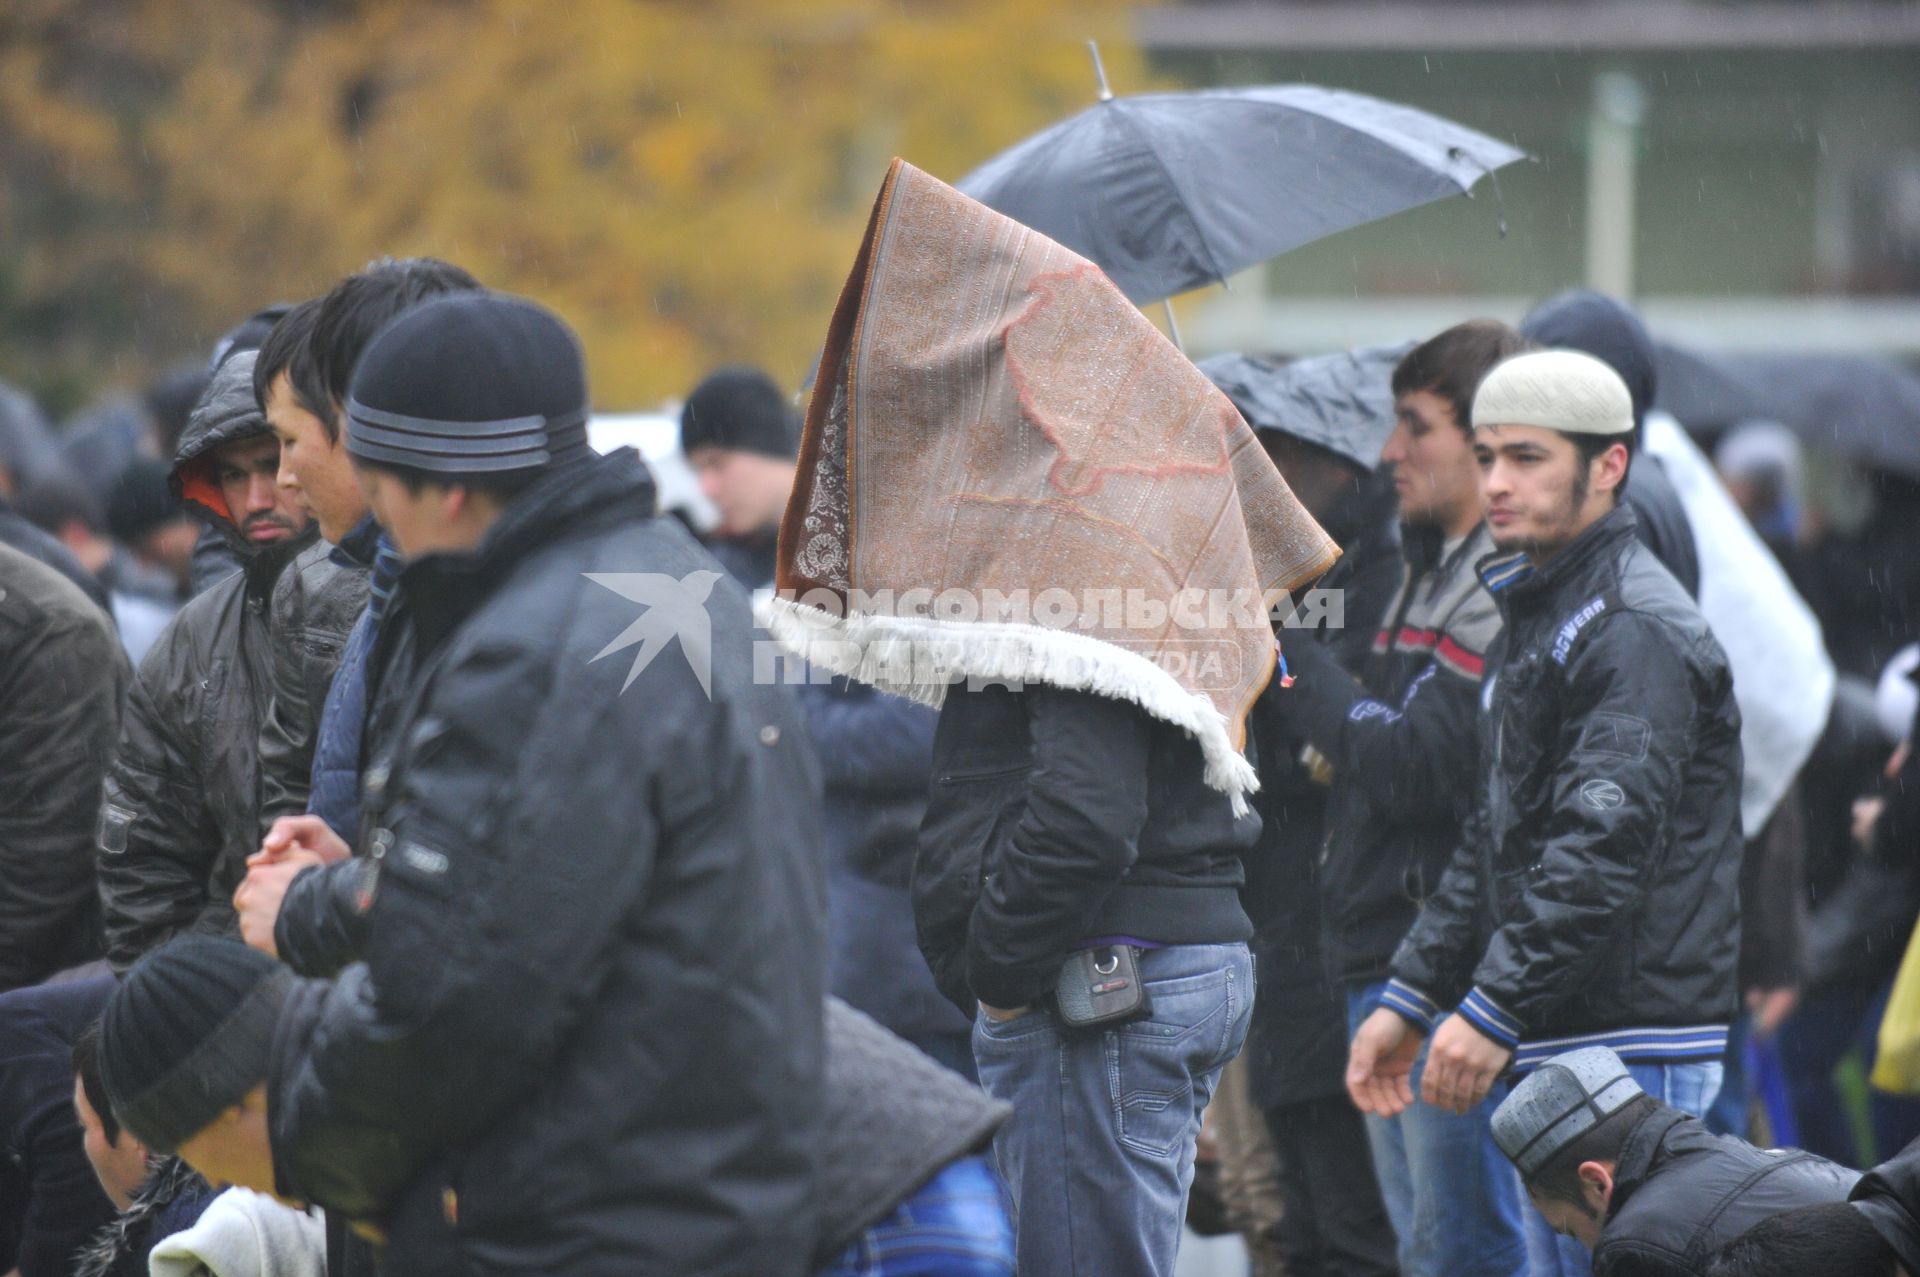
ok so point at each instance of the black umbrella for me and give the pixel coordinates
(1855, 406)
(1172, 191)
(1341, 402)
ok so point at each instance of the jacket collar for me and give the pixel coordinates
(1643, 1154)
(1425, 549)
(1510, 575)
(442, 590)
(356, 549)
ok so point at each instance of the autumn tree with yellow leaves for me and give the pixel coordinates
(686, 182)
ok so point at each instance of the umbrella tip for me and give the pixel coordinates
(1099, 71)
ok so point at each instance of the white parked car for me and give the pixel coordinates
(656, 436)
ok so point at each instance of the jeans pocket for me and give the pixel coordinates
(1152, 1063)
(1028, 1027)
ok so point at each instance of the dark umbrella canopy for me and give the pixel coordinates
(1854, 406)
(1343, 402)
(1172, 191)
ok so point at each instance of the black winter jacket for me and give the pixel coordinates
(63, 676)
(1296, 1047)
(1596, 890)
(1401, 741)
(1059, 817)
(1681, 1193)
(181, 808)
(584, 1031)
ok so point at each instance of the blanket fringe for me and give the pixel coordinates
(919, 658)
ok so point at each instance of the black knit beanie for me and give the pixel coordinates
(470, 383)
(187, 1034)
(740, 410)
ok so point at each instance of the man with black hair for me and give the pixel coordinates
(608, 846)
(181, 806)
(1594, 896)
(1400, 741)
(156, 1196)
(1647, 1188)
(301, 382)
(741, 435)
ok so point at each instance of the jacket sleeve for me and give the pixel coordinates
(1629, 728)
(322, 923)
(157, 840)
(60, 696)
(287, 732)
(1433, 966)
(497, 887)
(1080, 831)
(1414, 758)
(868, 740)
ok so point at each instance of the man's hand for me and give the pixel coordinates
(1380, 1064)
(260, 894)
(1462, 1066)
(1770, 1008)
(301, 833)
(1001, 1016)
(1866, 814)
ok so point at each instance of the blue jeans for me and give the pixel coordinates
(955, 1226)
(1451, 1194)
(1099, 1151)
(1691, 1088)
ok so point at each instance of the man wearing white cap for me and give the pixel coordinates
(1594, 899)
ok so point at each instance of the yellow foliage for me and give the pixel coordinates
(686, 182)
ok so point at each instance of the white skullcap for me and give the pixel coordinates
(1560, 390)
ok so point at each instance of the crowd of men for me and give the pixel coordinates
(397, 880)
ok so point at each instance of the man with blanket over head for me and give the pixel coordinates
(1018, 502)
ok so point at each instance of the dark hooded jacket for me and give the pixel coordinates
(63, 677)
(1596, 890)
(1889, 1196)
(180, 815)
(1680, 1193)
(584, 1031)
(1612, 333)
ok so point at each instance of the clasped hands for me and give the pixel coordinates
(294, 845)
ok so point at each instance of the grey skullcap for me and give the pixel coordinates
(470, 383)
(1564, 1098)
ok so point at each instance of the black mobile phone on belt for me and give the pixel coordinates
(1101, 987)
